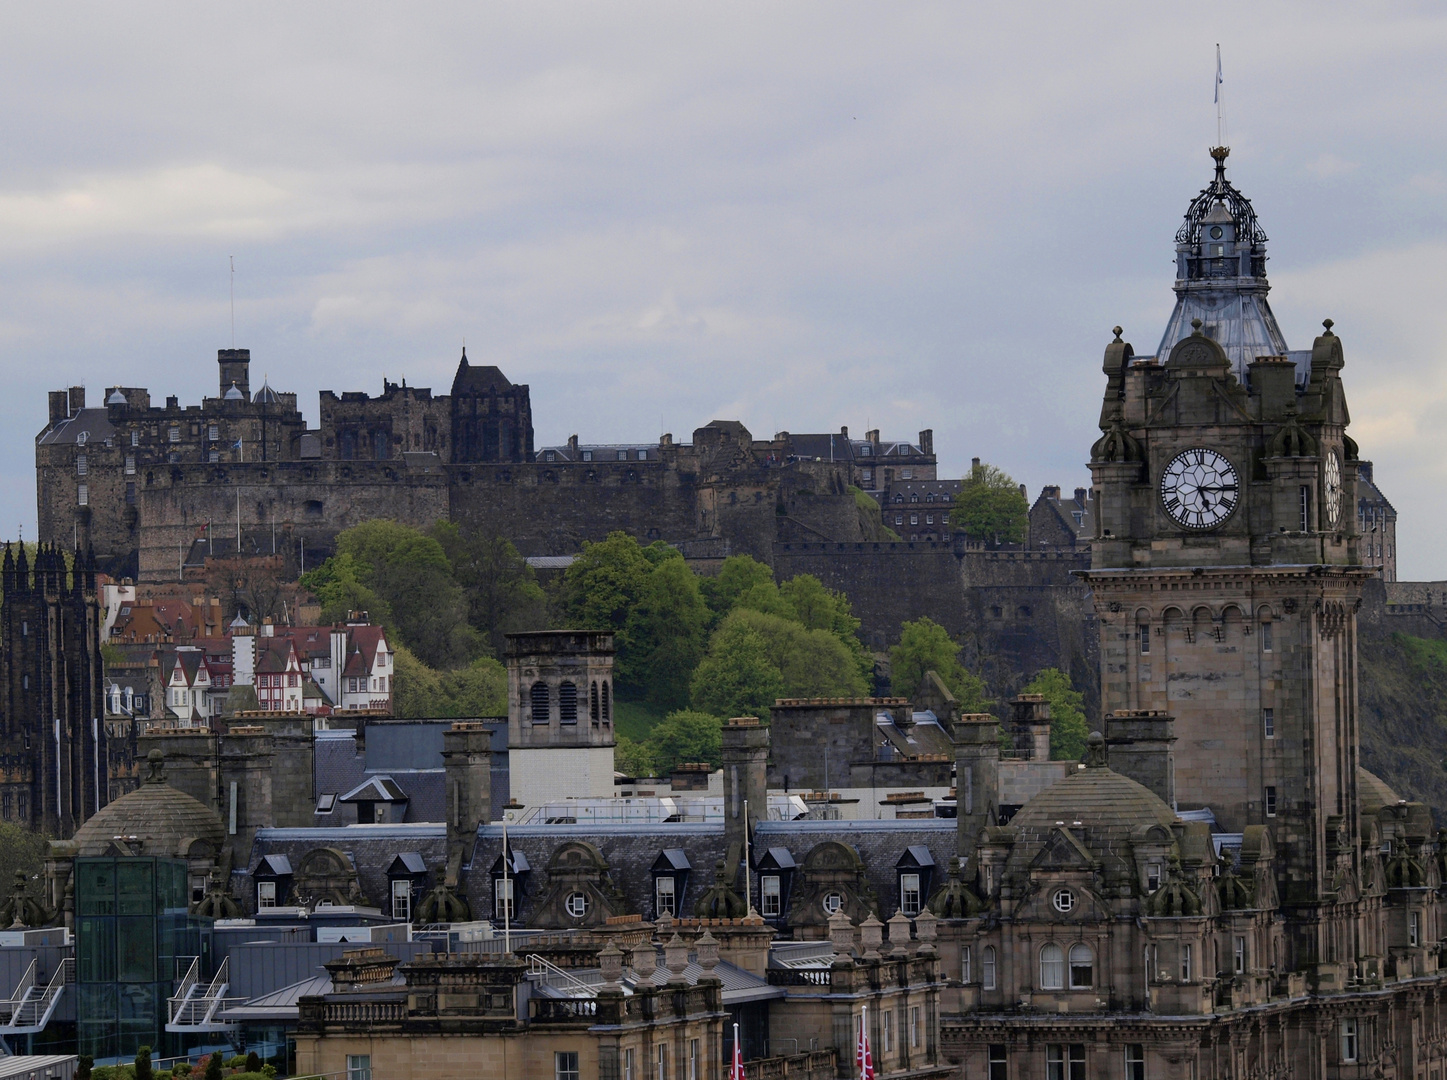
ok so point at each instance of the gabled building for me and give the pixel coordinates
(187, 679)
(278, 676)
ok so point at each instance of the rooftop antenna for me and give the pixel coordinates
(1220, 105)
(233, 294)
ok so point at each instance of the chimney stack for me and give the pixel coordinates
(1030, 721)
(1140, 748)
(977, 777)
(467, 760)
(745, 774)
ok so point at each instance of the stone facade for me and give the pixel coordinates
(56, 762)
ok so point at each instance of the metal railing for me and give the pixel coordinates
(555, 977)
(33, 1011)
(22, 990)
(194, 1008)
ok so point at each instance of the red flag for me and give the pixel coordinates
(863, 1058)
(736, 1070)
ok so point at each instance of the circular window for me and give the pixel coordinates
(1215, 232)
(576, 905)
(1064, 900)
(832, 903)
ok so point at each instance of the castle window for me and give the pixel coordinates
(914, 519)
(587, 455)
(868, 475)
(643, 455)
(906, 474)
(1266, 637)
(1153, 877)
(987, 968)
(213, 456)
(1082, 967)
(213, 433)
(1268, 722)
(541, 703)
(1135, 1061)
(130, 464)
(82, 495)
(899, 519)
(1052, 967)
(929, 498)
(548, 455)
(593, 702)
(22, 805)
(7, 805)
(914, 498)
(909, 902)
(1239, 955)
(80, 465)
(135, 438)
(1185, 963)
(567, 703)
(174, 434)
(607, 712)
(1414, 928)
(929, 519)
(1145, 635)
(1349, 1040)
(381, 446)
(622, 455)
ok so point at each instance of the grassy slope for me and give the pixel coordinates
(634, 719)
(1403, 701)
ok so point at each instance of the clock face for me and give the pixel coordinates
(1199, 489)
(1331, 488)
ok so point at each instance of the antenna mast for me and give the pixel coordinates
(1220, 105)
(233, 298)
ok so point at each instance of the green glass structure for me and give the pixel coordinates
(133, 939)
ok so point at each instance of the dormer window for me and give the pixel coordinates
(670, 882)
(1153, 877)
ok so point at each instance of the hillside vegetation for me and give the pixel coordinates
(1403, 702)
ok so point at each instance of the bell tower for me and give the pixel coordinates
(1225, 570)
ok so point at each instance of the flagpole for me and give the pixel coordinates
(1220, 113)
(507, 895)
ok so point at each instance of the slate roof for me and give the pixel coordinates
(163, 820)
(372, 849)
(478, 380)
(94, 422)
(943, 492)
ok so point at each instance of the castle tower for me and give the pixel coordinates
(235, 367)
(1225, 571)
(492, 419)
(560, 715)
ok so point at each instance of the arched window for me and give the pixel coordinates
(542, 710)
(607, 708)
(1082, 967)
(1052, 968)
(593, 703)
(567, 703)
(987, 968)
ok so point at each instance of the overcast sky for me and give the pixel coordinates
(796, 215)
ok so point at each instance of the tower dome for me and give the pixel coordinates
(266, 395)
(155, 819)
(233, 393)
(1221, 275)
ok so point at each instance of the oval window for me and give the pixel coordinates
(832, 903)
(1215, 232)
(1064, 900)
(576, 905)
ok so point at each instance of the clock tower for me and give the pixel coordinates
(1225, 570)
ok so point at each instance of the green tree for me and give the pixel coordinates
(1068, 728)
(737, 575)
(685, 735)
(925, 646)
(812, 663)
(632, 758)
(990, 508)
(418, 691)
(214, 1067)
(820, 608)
(502, 591)
(604, 582)
(143, 1064)
(21, 851)
(665, 636)
(405, 579)
(736, 678)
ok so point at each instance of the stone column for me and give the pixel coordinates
(745, 767)
(977, 777)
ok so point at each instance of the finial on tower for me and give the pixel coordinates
(1220, 153)
(1327, 324)
(1196, 325)
(1117, 331)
